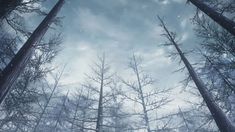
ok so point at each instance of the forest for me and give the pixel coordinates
(117, 66)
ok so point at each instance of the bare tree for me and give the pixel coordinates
(217, 48)
(102, 78)
(98, 81)
(47, 101)
(149, 98)
(60, 116)
(117, 118)
(83, 111)
(17, 64)
(223, 21)
(219, 116)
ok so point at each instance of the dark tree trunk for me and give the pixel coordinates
(7, 6)
(223, 21)
(17, 64)
(219, 116)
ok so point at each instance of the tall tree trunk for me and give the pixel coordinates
(223, 21)
(99, 122)
(219, 116)
(18, 63)
(146, 118)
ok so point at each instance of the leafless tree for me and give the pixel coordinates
(149, 98)
(219, 116)
(17, 64)
(217, 17)
(83, 110)
(48, 98)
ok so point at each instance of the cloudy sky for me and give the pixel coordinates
(120, 28)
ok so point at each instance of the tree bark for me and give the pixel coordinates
(219, 116)
(223, 21)
(18, 63)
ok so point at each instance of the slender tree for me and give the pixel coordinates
(48, 99)
(59, 116)
(99, 123)
(148, 98)
(103, 80)
(117, 119)
(184, 120)
(83, 111)
(219, 116)
(223, 21)
(17, 64)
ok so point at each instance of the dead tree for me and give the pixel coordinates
(83, 110)
(76, 112)
(101, 78)
(184, 119)
(147, 97)
(226, 80)
(59, 115)
(218, 115)
(57, 79)
(98, 82)
(223, 21)
(17, 64)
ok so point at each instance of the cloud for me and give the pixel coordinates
(98, 24)
(165, 2)
(157, 56)
(121, 28)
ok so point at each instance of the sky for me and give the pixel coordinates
(121, 28)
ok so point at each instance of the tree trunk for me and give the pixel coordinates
(18, 63)
(146, 118)
(223, 21)
(219, 116)
(99, 122)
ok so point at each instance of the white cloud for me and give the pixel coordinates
(156, 58)
(165, 2)
(184, 22)
(156, 32)
(184, 36)
(97, 24)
